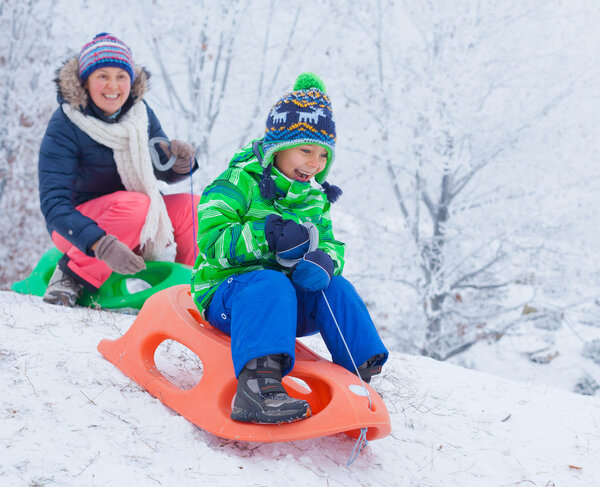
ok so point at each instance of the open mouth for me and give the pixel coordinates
(111, 97)
(301, 175)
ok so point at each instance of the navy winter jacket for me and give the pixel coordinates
(73, 168)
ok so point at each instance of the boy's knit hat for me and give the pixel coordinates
(303, 116)
(105, 50)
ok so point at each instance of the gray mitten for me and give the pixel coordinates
(118, 256)
(184, 153)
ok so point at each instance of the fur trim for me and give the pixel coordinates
(72, 91)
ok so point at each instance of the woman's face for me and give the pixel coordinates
(109, 88)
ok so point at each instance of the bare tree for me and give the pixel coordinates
(24, 57)
(448, 110)
(199, 86)
(265, 87)
(209, 31)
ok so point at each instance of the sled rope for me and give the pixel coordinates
(347, 348)
(361, 441)
(314, 243)
(194, 237)
(165, 167)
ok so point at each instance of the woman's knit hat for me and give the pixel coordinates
(303, 116)
(105, 50)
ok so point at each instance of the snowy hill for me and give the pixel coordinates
(69, 417)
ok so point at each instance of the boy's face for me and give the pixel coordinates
(109, 88)
(302, 162)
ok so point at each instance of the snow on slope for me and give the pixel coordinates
(69, 417)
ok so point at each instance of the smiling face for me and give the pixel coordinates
(302, 162)
(109, 88)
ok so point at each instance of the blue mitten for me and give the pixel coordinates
(314, 271)
(287, 238)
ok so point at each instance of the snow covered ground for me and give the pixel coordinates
(70, 418)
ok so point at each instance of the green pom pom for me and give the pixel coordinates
(306, 81)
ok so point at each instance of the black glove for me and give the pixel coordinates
(286, 238)
(314, 271)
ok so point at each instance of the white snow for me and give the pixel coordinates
(517, 81)
(69, 417)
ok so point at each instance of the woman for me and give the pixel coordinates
(98, 187)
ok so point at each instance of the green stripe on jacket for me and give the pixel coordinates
(231, 217)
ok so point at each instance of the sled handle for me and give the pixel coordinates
(154, 154)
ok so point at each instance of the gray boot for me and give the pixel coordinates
(62, 289)
(260, 396)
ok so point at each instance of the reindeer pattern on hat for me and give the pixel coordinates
(278, 117)
(311, 117)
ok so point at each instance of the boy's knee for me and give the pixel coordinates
(341, 290)
(270, 283)
(274, 278)
(340, 284)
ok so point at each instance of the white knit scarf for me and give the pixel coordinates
(129, 141)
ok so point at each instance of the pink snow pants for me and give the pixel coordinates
(123, 214)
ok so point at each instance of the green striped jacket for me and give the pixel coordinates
(231, 218)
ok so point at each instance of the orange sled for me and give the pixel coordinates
(336, 397)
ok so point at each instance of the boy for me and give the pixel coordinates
(267, 255)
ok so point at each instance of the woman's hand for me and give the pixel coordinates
(117, 255)
(184, 153)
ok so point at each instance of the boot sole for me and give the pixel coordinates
(60, 299)
(260, 417)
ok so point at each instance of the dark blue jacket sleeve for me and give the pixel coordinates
(155, 130)
(72, 169)
(58, 173)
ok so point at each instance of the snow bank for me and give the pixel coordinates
(69, 417)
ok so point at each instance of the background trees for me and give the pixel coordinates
(467, 138)
(448, 111)
(26, 60)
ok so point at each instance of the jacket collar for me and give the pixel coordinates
(289, 190)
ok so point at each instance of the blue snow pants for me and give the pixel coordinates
(263, 313)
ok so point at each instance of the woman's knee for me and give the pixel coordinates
(134, 201)
(132, 206)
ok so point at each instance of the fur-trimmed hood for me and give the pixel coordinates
(71, 90)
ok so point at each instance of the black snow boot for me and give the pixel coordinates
(260, 396)
(371, 367)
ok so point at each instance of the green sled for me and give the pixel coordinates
(113, 294)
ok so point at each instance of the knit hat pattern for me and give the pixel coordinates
(105, 50)
(303, 116)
